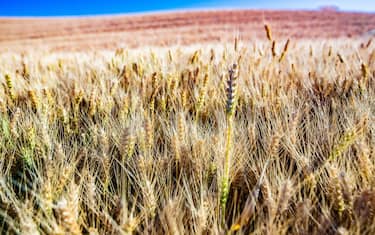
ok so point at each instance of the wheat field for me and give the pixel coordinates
(267, 137)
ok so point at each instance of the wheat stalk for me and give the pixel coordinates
(230, 109)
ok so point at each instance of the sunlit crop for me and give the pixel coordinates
(268, 137)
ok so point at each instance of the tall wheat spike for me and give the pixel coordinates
(230, 110)
(268, 32)
(285, 50)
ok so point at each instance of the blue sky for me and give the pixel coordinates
(93, 7)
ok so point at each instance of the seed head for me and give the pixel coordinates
(9, 86)
(268, 32)
(231, 90)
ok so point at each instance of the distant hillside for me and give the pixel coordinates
(163, 29)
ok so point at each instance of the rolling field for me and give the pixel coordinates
(170, 29)
(111, 125)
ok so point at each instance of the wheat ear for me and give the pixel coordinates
(230, 109)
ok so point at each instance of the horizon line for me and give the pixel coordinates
(185, 10)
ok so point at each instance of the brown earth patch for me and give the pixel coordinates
(177, 28)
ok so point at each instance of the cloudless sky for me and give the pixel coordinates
(93, 7)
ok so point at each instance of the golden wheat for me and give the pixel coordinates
(171, 141)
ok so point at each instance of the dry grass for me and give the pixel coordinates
(137, 141)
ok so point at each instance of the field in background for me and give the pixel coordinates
(166, 29)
